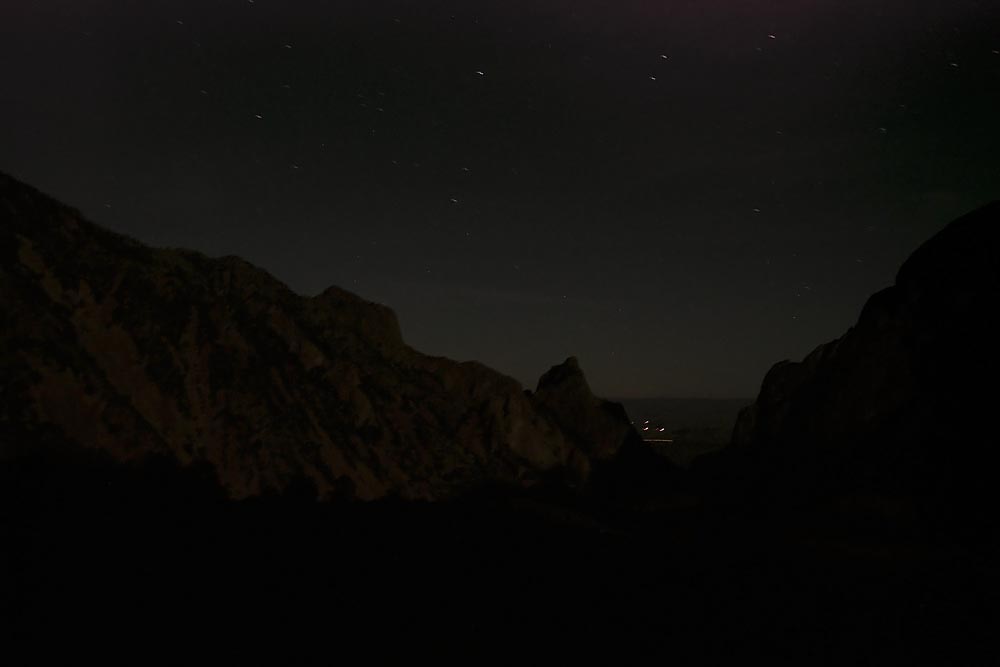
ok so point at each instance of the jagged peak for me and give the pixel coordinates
(562, 374)
(377, 320)
(339, 295)
(600, 427)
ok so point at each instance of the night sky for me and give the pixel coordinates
(678, 193)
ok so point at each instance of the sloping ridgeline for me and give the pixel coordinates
(118, 361)
(113, 346)
(899, 413)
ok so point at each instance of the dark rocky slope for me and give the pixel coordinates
(115, 346)
(902, 407)
(150, 556)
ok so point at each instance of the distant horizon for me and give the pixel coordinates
(680, 398)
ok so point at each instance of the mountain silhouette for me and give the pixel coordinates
(901, 408)
(167, 422)
(113, 346)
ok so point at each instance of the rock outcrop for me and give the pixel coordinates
(903, 403)
(596, 426)
(112, 345)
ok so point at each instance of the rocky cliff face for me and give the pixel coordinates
(903, 402)
(108, 344)
(596, 426)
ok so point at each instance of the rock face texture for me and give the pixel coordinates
(905, 401)
(595, 426)
(108, 344)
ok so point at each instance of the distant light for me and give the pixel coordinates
(772, 37)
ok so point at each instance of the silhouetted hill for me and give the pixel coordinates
(135, 351)
(899, 412)
(135, 380)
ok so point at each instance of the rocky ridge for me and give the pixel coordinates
(903, 403)
(111, 345)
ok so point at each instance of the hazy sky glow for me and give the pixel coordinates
(679, 193)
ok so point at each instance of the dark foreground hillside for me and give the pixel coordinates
(146, 561)
(196, 463)
(899, 413)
